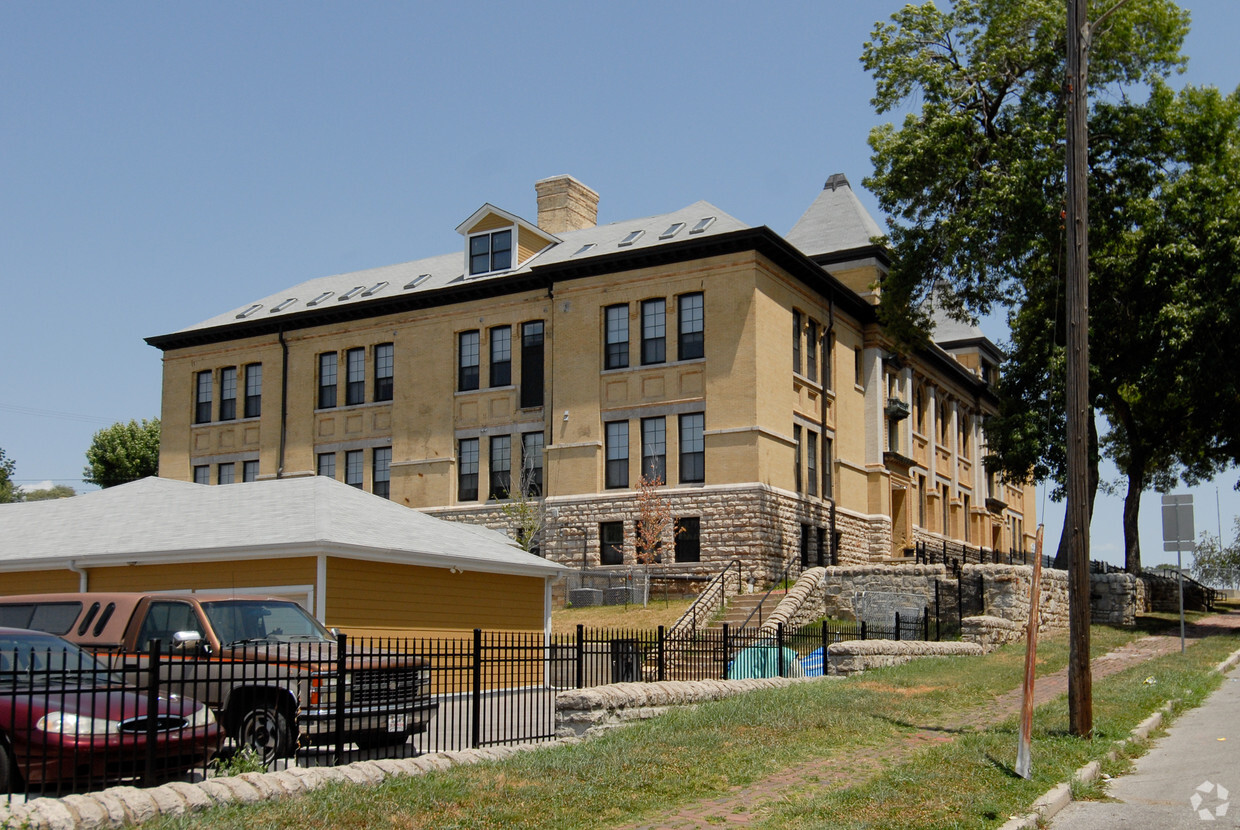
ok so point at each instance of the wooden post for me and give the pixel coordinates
(1024, 760)
(1076, 523)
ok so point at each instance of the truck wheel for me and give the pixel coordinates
(265, 729)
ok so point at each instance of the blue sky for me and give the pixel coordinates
(163, 162)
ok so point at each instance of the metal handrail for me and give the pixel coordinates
(782, 581)
(689, 619)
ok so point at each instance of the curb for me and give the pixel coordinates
(1060, 795)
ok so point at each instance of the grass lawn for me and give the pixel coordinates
(658, 612)
(645, 771)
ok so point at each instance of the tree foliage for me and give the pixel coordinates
(1216, 565)
(123, 452)
(56, 491)
(525, 511)
(974, 185)
(8, 490)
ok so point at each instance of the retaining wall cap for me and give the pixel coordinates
(117, 817)
(987, 621)
(50, 813)
(138, 804)
(89, 813)
(901, 648)
(193, 796)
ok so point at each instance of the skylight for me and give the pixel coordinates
(374, 289)
(416, 281)
(631, 238)
(321, 298)
(284, 305)
(351, 293)
(249, 311)
(584, 248)
(703, 224)
(672, 230)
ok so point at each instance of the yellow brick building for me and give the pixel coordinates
(744, 369)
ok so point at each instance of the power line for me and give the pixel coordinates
(52, 413)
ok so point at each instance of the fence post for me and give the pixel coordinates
(981, 593)
(863, 629)
(779, 645)
(925, 623)
(897, 626)
(475, 693)
(960, 600)
(152, 711)
(725, 651)
(938, 622)
(342, 654)
(662, 655)
(581, 654)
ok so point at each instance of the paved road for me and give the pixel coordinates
(1199, 753)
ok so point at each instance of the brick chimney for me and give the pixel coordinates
(565, 204)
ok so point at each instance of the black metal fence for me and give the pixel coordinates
(70, 722)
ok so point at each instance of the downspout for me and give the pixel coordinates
(283, 401)
(83, 579)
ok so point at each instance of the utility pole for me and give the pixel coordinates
(1080, 682)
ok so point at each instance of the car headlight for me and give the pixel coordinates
(68, 723)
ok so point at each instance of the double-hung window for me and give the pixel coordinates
(467, 470)
(202, 474)
(501, 356)
(532, 463)
(327, 380)
(796, 463)
(617, 473)
(811, 351)
(381, 473)
(467, 361)
(654, 331)
(501, 467)
(202, 398)
(689, 323)
(616, 337)
(249, 471)
(811, 463)
(796, 342)
(532, 364)
(228, 393)
(326, 464)
(611, 543)
(226, 473)
(692, 447)
(490, 252)
(353, 460)
(384, 370)
(355, 379)
(654, 450)
(254, 390)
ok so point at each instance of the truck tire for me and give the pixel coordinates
(265, 729)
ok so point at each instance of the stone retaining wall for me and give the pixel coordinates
(1116, 598)
(991, 632)
(853, 656)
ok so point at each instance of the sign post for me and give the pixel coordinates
(1177, 520)
(1024, 758)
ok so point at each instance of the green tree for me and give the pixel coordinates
(525, 510)
(56, 491)
(1216, 565)
(974, 183)
(8, 490)
(123, 452)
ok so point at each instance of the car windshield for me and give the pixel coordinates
(41, 659)
(267, 621)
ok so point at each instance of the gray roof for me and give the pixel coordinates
(836, 221)
(160, 520)
(449, 269)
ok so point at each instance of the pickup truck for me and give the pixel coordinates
(265, 666)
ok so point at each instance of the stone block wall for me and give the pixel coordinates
(991, 632)
(855, 656)
(1163, 594)
(1116, 598)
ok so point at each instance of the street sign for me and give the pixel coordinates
(1177, 520)
(1177, 516)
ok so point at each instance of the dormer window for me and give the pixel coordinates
(490, 252)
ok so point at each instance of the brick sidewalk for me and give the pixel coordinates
(743, 806)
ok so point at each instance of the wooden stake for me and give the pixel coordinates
(1024, 759)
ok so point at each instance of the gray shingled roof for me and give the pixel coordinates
(836, 221)
(158, 519)
(449, 269)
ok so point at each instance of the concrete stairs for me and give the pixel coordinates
(742, 605)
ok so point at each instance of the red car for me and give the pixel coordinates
(66, 719)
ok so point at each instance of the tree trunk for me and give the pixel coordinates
(1132, 510)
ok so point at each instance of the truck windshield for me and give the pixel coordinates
(254, 621)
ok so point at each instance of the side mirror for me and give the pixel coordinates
(182, 639)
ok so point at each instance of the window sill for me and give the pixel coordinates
(229, 423)
(349, 407)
